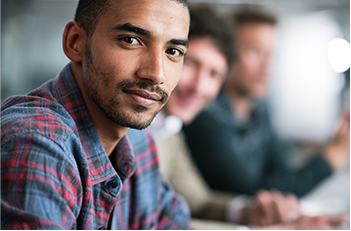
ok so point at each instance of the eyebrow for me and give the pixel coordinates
(131, 28)
(140, 31)
(183, 42)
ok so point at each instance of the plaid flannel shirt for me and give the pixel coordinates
(55, 173)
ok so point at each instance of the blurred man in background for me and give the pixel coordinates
(206, 66)
(233, 142)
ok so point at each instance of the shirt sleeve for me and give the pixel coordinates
(300, 181)
(235, 206)
(278, 172)
(186, 180)
(231, 164)
(174, 210)
(39, 186)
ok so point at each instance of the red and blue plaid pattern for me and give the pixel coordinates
(55, 173)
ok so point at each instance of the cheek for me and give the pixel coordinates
(213, 92)
(187, 70)
(188, 73)
(117, 62)
(108, 76)
(211, 88)
(208, 97)
(183, 82)
(244, 74)
(252, 64)
(246, 65)
(173, 75)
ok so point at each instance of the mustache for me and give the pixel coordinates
(125, 84)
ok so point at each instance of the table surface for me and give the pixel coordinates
(331, 196)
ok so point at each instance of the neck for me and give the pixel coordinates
(240, 104)
(109, 132)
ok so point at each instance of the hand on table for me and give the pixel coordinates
(271, 207)
(338, 151)
(324, 222)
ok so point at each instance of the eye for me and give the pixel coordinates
(215, 74)
(175, 52)
(130, 40)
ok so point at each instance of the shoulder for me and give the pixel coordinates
(34, 114)
(218, 113)
(171, 149)
(39, 132)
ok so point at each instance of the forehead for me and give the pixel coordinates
(160, 17)
(206, 51)
(254, 32)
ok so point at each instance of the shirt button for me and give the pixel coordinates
(112, 184)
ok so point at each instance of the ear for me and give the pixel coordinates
(73, 41)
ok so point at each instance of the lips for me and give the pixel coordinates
(142, 97)
(144, 94)
(186, 100)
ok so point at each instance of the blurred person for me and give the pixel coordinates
(68, 158)
(233, 142)
(205, 69)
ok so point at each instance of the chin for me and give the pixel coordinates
(260, 95)
(187, 118)
(136, 124)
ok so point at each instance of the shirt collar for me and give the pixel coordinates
(164, 126)
(230, 115)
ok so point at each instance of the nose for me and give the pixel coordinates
(152, 67)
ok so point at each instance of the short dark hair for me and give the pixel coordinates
(88, 12)
(253, 14)
(206, 23)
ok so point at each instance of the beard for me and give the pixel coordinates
(113, 109)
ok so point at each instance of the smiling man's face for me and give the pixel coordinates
(134, 58)
(204, 72)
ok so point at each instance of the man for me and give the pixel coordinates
(67, 158)
(233, 141)
(204, 71)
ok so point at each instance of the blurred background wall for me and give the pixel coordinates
(308, 88)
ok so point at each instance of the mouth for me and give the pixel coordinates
(186, 100)
(142, 97)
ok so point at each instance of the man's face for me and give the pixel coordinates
(134, 58)
(249, 74)
(204, 71)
